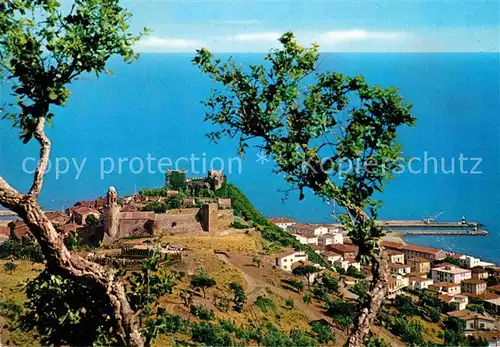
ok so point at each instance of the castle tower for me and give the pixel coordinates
(111, 213)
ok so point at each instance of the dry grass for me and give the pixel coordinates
(13, 285)
(232, 242)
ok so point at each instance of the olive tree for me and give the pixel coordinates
(313, 124)
(44, 47)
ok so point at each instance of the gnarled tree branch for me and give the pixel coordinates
(59, 259)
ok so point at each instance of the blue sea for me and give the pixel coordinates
(152, 109)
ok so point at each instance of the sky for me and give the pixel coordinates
(337, 26)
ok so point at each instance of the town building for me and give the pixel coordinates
(345, 263)
(419, 265)
(415, 251)
(307, 229)
(417, 274)
(480, 273)
(474, 321)
(457, 302)
(445, 287)
(306, 239)
(493, 305)
(345, 250)
(468, 261)
(473, 286)
(491, 337)
(420, 283)
(450, 274)
(396, 257)
(329, 239)
(285, 260)
(19, 229)
(400, 269)
(395, 285)
(57, 218)
(331, 257)
(79, 214)
(283, 223)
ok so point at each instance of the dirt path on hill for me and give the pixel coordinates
(257, 285)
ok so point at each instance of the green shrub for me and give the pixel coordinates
(265, 304)
(201, 312)
(238, 225)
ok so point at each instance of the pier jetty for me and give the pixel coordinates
(427, 227)
(7, 213)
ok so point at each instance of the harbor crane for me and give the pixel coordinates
(429, 220)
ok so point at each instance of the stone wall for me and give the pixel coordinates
(225, 219)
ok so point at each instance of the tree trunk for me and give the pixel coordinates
(59, 260)
(71, 266)
(374, 299)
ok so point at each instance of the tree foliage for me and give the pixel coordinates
(312, 123)
(240, 296)
(44, 47)
(203, 282)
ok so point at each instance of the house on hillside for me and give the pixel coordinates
(306, 239)
(493, 305)
(415, 251)
(473, 286)
(331, 257)
(468, 261)
(330, 239)
(80, 214)
(395, 285)
(396, 257)
(345, 263)
(345, 250)
(57, 218)
(285, 260)
(491, 337)
(283, 223)
(450, 274)
(457, 302)
(420, 283)
(445, 287)
(307, 229)
(477, 321)
(419, 265)
(400, 269)
(19, 229)
(479, 273)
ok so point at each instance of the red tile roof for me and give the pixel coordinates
(444, 285)
(342, 248)
(305, 226)
(422, 249)
(282, 220)
(473, 281)
(419, 260)
(81, 210)
(392, 244)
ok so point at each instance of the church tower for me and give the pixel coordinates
(111, 214)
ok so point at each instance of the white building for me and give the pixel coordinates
(307, 229)
(285, 260)
(329, 239)
(468, 262)
(331, 257)
(395, 285)
(283, 223)
(346, 263)
(451, 274)
(420, 283)
(458, 302)
(400, 269)
(306, 239)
